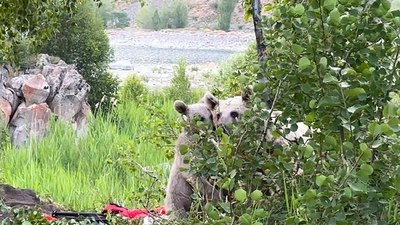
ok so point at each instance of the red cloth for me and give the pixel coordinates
(49, 218)
(132, 213)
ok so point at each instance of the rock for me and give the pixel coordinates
(81, 119)
(16, 84)
(3, 75)
(65, 106)
(29, 121)
(35, 90)
(70, 97)
(26, 101)
(5, 111)
(14, 197)
(121, 65)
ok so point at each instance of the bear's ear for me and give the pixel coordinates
(181, 107)
(247, 93)
(210, 100)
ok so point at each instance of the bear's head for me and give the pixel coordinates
(230, 110)
(202, 110)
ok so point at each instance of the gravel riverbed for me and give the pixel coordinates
(153, 54)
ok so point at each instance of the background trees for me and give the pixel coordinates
(82, 41)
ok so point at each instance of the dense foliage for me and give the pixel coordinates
(112, 17)
(225, 9)
(28, 23)
(172, 14)
(82, 41)
(334, 65)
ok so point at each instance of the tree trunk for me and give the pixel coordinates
(256, 13)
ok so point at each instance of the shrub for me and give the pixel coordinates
(113, 18)
(172, 15)
(225, 9)
(179, 13)
(239, 70)
(144, 17)
(133, 89)
(83, 42)
(180, 84)
(333, 65)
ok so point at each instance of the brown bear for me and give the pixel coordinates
(181, 184)
(231, 109)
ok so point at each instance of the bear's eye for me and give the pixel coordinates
(234, 114)
(218, 115)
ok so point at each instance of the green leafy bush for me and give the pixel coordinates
(180, 84)
(133, 89)
(335, 66)
(112, 17)
(83, 42)
(172, 15)
(236, 72)
(225, 9)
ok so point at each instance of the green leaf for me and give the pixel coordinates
(309, 151)
(304, 62)
(328, 78)
(245, 219)
(390, 110)
(330, 4)
(320, 180)
(240, 195)
(348, 146)
(354, 92)
(310, 194)
(366, 169)
(374, 129)
(347, 192)
(298, 9)
(334, 16)
(256, 195)
(330, 140)
(347, 19)
(366, 153)
(349, 71)
(225, 206)
(26, 223)
(394, 124)
(297, 49)
(357, 187)
(386, 4)
(260, 213)
(312, 103)
(183, 149)
(323, 62)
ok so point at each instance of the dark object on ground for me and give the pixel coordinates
(94, 217)
(15, 197)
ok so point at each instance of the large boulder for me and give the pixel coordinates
(26, 101)
(35, 90)
(29, 122)
(14, 197)
(5, 111)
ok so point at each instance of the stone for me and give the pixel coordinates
(65, 106)
(5, 111)
(15, 197)
(29, 121)
(35, 90)
(44, 89)
(121, 65)
(16, 84)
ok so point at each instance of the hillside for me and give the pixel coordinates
(202, 13)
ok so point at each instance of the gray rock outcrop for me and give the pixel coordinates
(28, 101)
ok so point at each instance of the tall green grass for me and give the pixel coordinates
(84, 173)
